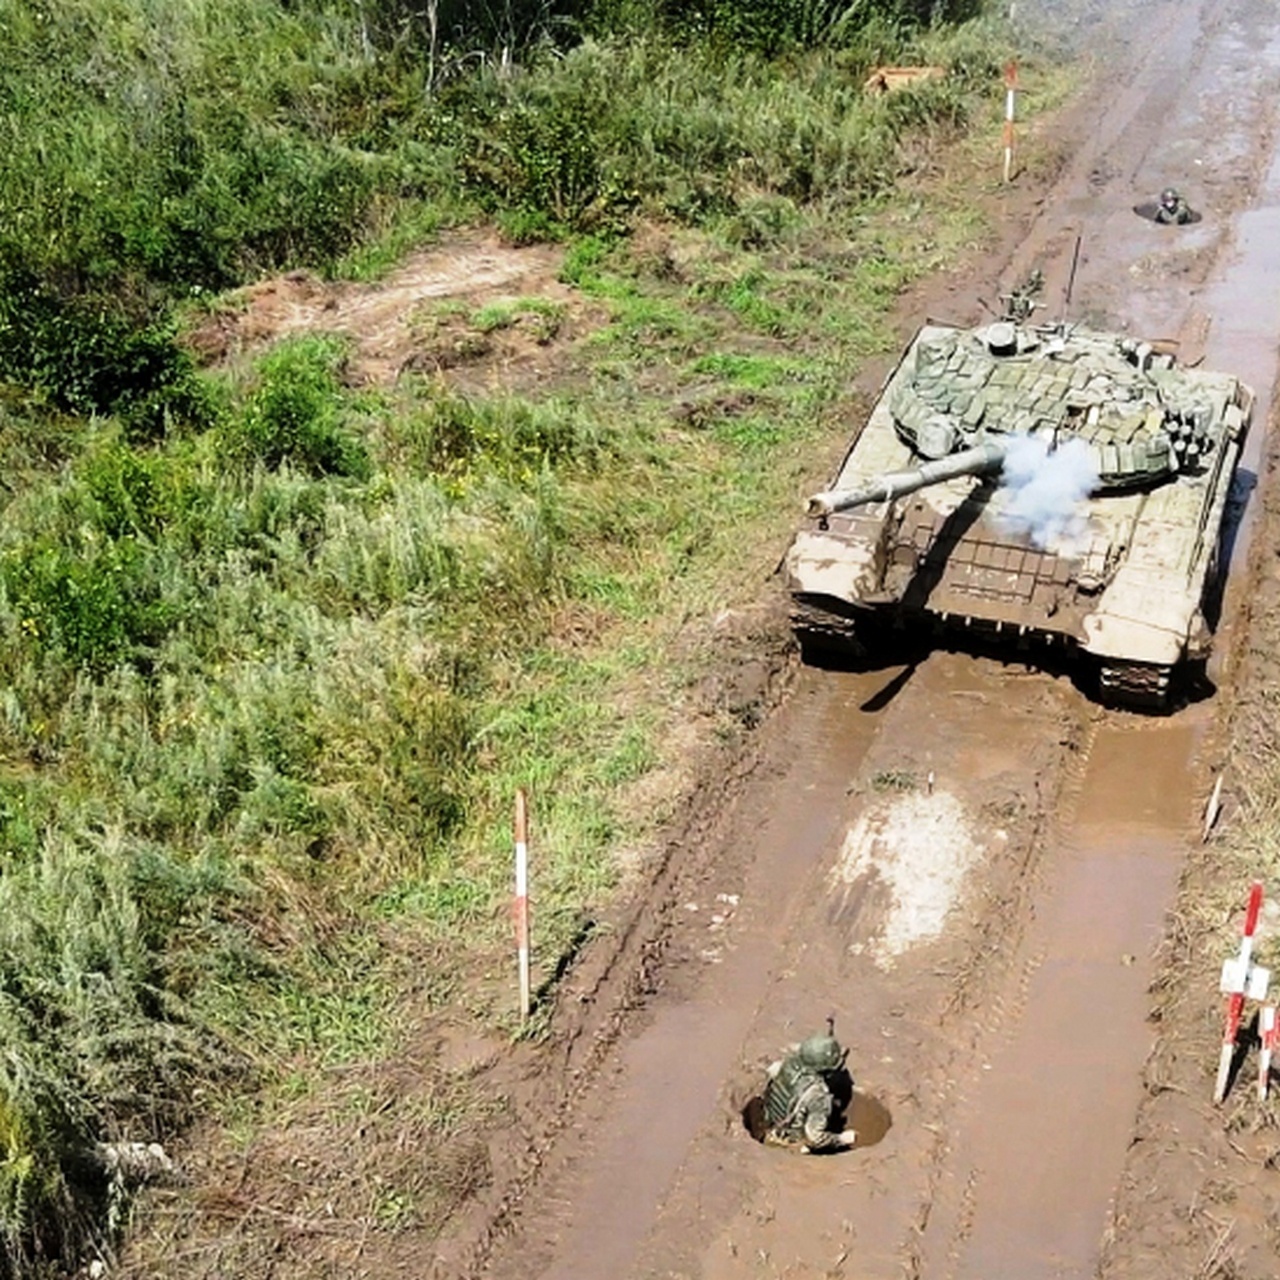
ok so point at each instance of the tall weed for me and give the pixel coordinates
(613, 125)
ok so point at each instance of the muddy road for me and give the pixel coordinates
(968, 863)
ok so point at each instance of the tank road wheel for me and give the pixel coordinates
(1146, 685)
(825, 635)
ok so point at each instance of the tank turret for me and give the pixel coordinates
(1142, 418)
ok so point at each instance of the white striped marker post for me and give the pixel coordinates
(1010, 91)
(1267, 1034)
(1235, 983)
(522, 898)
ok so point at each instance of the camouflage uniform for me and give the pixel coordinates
(1172, 208)
(799, 1099)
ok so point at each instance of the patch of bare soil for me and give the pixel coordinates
(493, 315)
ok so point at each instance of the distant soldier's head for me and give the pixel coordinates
(1169, 198)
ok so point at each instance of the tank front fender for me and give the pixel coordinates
(825, 564)
(1161, 642)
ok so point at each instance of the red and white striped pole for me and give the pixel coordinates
(1236, 982)
(1010, 91)
(522, 898)
(1267, 1034)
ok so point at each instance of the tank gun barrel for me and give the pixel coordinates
(982, 459)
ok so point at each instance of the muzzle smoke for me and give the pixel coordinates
(1042, 490)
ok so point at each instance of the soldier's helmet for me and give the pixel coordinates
(1169, 197)
(821, 1053)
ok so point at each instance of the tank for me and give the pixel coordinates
(1032, 486)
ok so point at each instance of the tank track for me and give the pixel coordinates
(819, 630)
(1145, 686)
(1135, 684)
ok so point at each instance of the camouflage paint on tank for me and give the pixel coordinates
(1127, 587)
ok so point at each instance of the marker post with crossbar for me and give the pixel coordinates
(1240, 978)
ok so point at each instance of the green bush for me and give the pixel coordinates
(543, 160)
(613, 126)
(772, 27)
(293, 414)
(94, 608)
(94, 1050)
(514, 438)
(134, 493)
(89, 353)
(546, 147)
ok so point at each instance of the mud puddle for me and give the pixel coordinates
(998, 1033)
(660, 1176)
(930, 850)
(1047, 1119)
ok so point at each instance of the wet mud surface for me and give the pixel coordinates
(965, 861)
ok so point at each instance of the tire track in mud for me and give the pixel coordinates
(600, 997)
(1042, 1139)
(639, 963)
(599, 1196)
(992, 1009)
(1057, 1230)
(1191, 1200)
(1172, 123)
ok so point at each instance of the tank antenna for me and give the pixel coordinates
(1071, 278)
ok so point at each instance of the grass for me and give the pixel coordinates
(272, 673)
(541, 315)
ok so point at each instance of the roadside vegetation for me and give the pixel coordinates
(277, 650)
